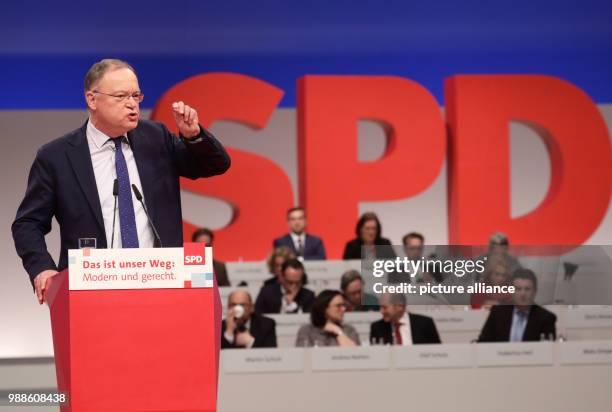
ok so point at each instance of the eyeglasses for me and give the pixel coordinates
(137, 96)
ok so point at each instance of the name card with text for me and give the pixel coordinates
(433, 356)
(350, 359)
(361, 321)
(457, 320)
(262, 360)
(289, 324)
(585, 353)
(247, 271)
(597, 317)
(514, 354)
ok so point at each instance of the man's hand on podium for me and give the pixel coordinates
(41, 282)
(186, 119)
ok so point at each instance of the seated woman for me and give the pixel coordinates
(275, 262)
(496, 273)
(368, 232)
(326, 327)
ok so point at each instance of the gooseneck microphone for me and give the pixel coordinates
(115, 193)
(139, 198)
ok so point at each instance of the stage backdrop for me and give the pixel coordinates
(454, 122)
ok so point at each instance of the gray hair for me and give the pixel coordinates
(348, 277)
(395, 298)
(95, 73)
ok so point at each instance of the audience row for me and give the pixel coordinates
(246, 325)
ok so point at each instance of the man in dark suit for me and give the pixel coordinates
(287, 296)
(305, 246)
(398, 327)
(243, 328)
(523, 321)
(206, 236)
(78, 177)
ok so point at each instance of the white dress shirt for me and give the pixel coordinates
(297, 239)
(404, 330)
(288, 307)
(102, 152)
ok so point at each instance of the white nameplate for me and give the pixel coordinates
(322, 274)
(225, 291)
(144, 268)
(262, 360)
(433, 356)
(348, 359)
(289, 324)
(598, 317)
(514, 354)
(456, 320)
(361, 321)
(585, 352)
(247, 271)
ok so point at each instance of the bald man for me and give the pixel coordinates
(243, 328)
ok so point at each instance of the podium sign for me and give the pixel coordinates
(140, 336)
(155, 268)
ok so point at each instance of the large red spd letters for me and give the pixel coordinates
(473, 139)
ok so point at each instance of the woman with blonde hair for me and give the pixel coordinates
(275, 262)
(497, 273)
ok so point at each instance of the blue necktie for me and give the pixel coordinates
(127, 219)
(518, 329)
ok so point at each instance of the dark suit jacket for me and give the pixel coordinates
(270, 298)
(263, 330)
(220, 273)
(422, 328)
(352, 250)
(62, 184)
(497, 327)
(313, 246)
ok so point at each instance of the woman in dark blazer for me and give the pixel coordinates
(368, 232)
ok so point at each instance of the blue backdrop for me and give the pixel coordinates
(46, 47)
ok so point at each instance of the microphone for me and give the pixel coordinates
(115, 193)
(139, 198)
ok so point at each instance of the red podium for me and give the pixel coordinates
(136, 349)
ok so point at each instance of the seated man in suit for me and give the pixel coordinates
(523, 321)
(398, 327)
(288, 295)
(242, 328)
(305, 246)
(205, 235)
(351, 284)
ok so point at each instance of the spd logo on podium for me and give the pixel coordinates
(197, 259)
(195, 253)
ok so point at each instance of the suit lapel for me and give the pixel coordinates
(290, 244)
(254, 329)
(278, 297)
(80, 160)
(507, 321)
(387, 332)
(531, 326)
(145, 169)
(415, 330)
